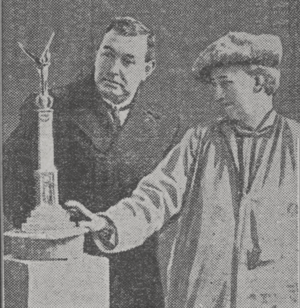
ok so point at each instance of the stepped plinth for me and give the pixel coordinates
(47, 235)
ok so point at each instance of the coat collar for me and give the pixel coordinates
(89, 112)
(264, 129)
(85, 95)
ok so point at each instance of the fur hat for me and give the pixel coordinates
(238, 48)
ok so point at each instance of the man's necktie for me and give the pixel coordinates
(114, 113)
(115, 116)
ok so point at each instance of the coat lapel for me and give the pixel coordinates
(87, 110)
(96, 127)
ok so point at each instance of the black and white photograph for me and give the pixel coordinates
(150, 153)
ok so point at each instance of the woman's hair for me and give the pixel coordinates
(271, 76)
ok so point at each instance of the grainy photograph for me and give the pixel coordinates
(150, 153)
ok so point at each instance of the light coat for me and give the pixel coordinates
(236, 243)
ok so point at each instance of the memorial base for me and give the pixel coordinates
(60, 244)
(73, 283)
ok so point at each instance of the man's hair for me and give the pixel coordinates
(271, 76)
(128, 26)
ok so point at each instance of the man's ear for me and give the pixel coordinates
(259, 83)
(149, 68)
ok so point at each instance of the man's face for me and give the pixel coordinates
(120, 66)
(233, 89)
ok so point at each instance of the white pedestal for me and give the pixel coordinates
(73, 283)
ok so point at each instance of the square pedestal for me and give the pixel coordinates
(75, 283)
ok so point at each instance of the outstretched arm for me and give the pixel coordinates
(156, 199)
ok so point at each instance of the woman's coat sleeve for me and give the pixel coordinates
(156, 199)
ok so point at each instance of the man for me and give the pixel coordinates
(233, 184)
(105, 142)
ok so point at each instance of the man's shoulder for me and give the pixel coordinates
(59, 93)
(63, 96)
(81, 86)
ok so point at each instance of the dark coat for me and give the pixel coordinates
(97, 166)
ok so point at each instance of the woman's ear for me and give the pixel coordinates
(149, 68)
(259, 83)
